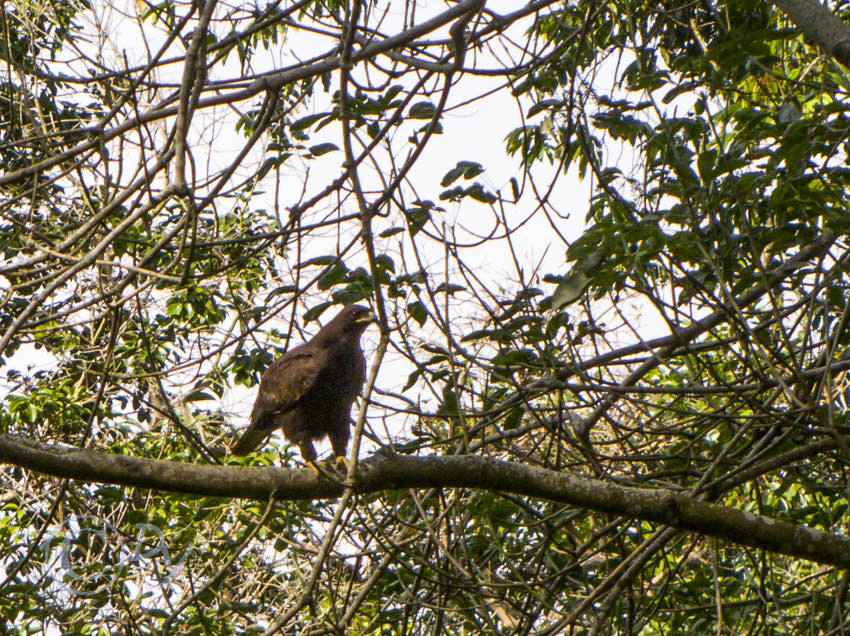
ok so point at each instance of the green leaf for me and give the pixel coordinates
(417, 217)
(336, 274)
(306, 122)
(352, 293)
(513, 419)
(454, 194)
(517, 356)
(477, 192)
(450, 405)
(321, 149)
(314, 312)
(422, 110)
(787, 114)
(411, 379)
(385, 263)
(546, 104)
(465, 169)
(326, 259)
(449, 288)
(479, 334)
(570, 289)
(705, 164)
(418, 312)
(198, 396)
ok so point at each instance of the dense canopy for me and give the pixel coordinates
(606, 245)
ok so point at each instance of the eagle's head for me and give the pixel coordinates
(348, 324)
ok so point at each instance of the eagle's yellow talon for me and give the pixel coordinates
(332, 469)
(308, 392)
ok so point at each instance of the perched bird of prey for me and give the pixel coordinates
(308, 392)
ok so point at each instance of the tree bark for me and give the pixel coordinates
(388, 471)
(820, 25)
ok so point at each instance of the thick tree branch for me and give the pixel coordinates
(820, 25)
(388, 471)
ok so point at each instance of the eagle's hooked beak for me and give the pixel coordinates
(367, 318)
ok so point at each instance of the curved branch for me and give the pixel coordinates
(389, 471)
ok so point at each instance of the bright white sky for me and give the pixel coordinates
(474, 132)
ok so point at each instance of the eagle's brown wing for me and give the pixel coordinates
(283, 385)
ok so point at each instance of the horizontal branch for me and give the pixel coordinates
(389, 471)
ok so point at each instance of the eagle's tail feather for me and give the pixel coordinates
(252, 438)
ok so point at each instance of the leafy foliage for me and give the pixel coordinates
(646, 284)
